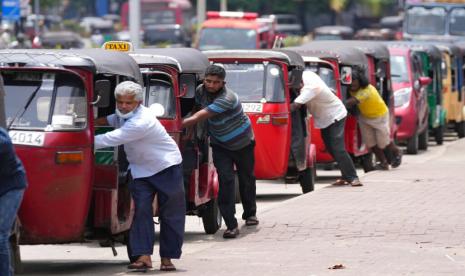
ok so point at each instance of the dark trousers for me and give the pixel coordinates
(224, 161)
(168, 184)
(333, 137)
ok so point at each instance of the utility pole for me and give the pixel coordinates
(224, 5)
(134, 22)
(201, 11)
(36, 12)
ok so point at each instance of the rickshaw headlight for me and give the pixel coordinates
(402, 96)
(69, 157)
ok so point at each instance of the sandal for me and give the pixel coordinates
(139, 265)
(167, 267)
(355, 183)
(340, 182)
(231, 233)
(251, 221)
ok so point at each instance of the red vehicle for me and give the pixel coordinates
(263, 80)
(332, 65)
(170, 79)
(236, 30)
(51, 100)
(410, 86)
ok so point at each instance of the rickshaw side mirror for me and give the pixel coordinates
(295, 78)
(102, 93)
(382, 68)
(424, 81)
(187, 85)
(346, 75)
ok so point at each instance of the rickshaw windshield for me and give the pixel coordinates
(325, 73)
(457, 21)
(57, 101)
(156, 17)
(213, 39)
(159, 92)
(399, 69)
(421, 20)
(256, 82)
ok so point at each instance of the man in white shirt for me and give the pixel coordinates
(155, 164)
(329, 114)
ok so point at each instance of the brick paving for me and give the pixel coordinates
(407, 221)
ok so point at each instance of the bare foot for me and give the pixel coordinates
(167, 265)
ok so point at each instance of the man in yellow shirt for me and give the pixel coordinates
(373, 119)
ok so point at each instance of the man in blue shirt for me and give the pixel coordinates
(12, 185)
(232, 143)
(155, 164)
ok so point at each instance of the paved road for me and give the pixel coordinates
(407, 221)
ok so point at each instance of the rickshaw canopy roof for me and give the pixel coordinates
(449, 47)
(427, 47)
(98, 61)
(344, 55)
(290, 57)
(185, 60)
(368, 47)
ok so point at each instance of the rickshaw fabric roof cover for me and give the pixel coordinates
(97, 60)
(427, 47)
(344, 55)
(185, 60)
(290, 57)
(369, 47)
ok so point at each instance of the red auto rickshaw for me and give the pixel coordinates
(331, 64)
(52, 98)
(264, 81)
(170, 79)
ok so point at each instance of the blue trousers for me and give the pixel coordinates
(9, 204)
(333, 137)
(168, 184)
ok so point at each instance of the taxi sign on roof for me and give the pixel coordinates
(122, 46)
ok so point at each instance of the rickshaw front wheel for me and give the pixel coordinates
(211, 217)
(307, 180)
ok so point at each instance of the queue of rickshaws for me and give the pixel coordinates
(266, 82)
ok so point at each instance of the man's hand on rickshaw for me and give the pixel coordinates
(295, 106)
(102, 121)
(199, 116)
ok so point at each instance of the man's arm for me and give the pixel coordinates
(197, 117)
(350, 102)
(295, 106)
(102, 121)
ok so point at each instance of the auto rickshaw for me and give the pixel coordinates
(52, 98)
(264, 81)
(331, 64)
(170, 79)
(454, 89)
(411, 96)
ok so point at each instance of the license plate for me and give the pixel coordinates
(252, 107)
(29, 138)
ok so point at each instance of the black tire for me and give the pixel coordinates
(423, 140)
(412, 144)
(237, 193)
(15, 253)
(307, 180)
(439, 135)
(460, 128)
(211, 217)
(368, 162)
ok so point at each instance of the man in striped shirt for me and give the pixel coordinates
(232, 142)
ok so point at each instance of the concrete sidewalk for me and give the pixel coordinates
(407, 221)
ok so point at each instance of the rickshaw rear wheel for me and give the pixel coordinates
(460, 128)
(211, 217)
(412, 144)
(307, 180)
(439, 135)
(423, 140)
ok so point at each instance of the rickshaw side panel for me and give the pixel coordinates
(56, 203)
